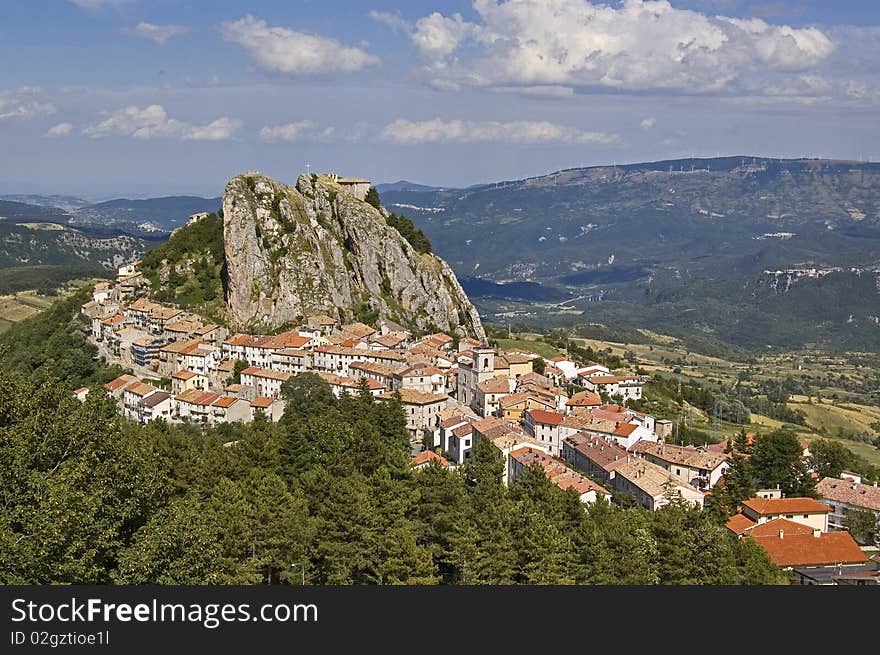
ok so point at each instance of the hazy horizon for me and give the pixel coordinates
(205, 192)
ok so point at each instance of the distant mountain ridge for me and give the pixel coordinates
(36, 233)
(404, 185)
(165, 213)
(621, 242)
(68, 203)
(14, 211)
(148, 218)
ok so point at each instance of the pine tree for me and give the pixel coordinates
(776, 460)
(76, 486)
(279, 526)
(179, 545)
(438, 511)
(259, 447)
(372, 197)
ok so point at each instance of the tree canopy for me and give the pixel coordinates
(410, 232)
(93, 498)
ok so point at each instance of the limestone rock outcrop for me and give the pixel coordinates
(315, 248)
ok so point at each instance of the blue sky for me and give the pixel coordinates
(143, 97)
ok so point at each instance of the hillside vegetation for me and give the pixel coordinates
(51, 346)
(186, 269)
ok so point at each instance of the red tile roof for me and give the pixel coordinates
(290, 340)
(581, 484)
(545, 417)
(806, 550)
(773, 506)
(772, 528)
(206, 398)
(225, 401)
(428, 456)
(359, 330)
(738, 524)
(584, 399)
(121, 381)
(463, 430)
(262, 402)
(452, 420)
(139, 388)
(496, 385)
(625, 429)
(606, 454)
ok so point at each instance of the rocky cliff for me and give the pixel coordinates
(295, 251)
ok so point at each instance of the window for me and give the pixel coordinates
(789, 516)
(806, 516)
(467, 442)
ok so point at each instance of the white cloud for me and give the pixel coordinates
(218, 130)
(519, 132)
(153, 122)
(280, 50)
(157, 33)
(286, 132)
(24, 103)
(307, 131)
(60, 130)
(395, 21)
(648, 122)
(634, 46)
(438, 36)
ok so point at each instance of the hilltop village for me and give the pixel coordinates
(571, 419)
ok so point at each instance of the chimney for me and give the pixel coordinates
(817, 532)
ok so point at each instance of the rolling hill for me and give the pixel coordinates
(147, 215)
(12, 211)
